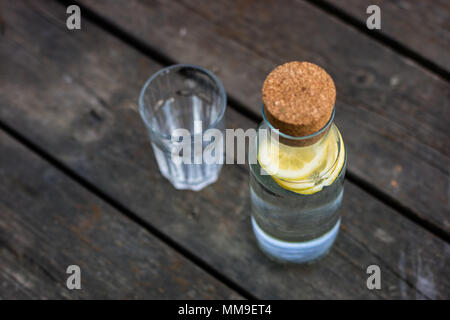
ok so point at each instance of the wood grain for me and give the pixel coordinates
(422, 26)
(49, 222)
(393, 114)
(55, 81)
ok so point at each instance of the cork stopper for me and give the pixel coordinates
(298, 98)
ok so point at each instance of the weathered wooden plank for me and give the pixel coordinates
(69, 76)
(394, 115)
(422, 26)
(49, 222)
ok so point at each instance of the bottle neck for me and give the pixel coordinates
(302, 141)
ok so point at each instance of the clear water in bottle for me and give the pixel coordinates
(298, 221)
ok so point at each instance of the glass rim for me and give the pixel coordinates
(179, 66)
(312, 135)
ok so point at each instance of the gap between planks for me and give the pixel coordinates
(382, 38)
(371, 189)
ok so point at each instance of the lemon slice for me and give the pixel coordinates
(291, 163)
(332, 176)
(334, 173)
(295, 168)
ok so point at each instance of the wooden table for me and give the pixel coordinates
(80, 185)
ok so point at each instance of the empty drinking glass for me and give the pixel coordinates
(193, 99)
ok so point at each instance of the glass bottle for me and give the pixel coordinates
(295, 212)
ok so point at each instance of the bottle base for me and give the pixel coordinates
(295, 252)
